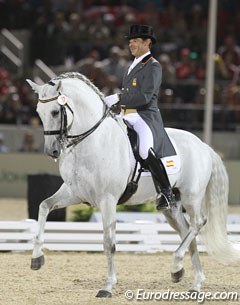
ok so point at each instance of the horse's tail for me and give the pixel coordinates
(215, 230)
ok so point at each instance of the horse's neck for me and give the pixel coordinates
(87, 107)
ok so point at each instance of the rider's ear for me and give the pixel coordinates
(59, 86)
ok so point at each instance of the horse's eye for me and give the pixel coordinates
(55, 113)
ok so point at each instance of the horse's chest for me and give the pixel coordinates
(78, 179)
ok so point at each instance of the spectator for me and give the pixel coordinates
(12, 110)
(99, 32)
(196, 20)
(183, 67)
(74, 49)
(230, 53)
(233, 101)
(56, 45)
(111, 85)
(3, 147)
(168, 71)
(68, 31)
(221, 71)
(115, 64)
(4, 81)
(187, 68)
(167, 87)
(28, 144)
(38, 39)
(87, 65)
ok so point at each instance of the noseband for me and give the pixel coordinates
(63, 131)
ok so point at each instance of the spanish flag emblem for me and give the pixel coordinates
(170, 163)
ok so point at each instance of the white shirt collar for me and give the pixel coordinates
(137, 61)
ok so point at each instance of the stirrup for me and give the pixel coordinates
(165, 199)
(162, 202)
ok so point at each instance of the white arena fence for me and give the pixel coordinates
(88, 236)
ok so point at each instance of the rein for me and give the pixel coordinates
(63, 128)
(78, 138)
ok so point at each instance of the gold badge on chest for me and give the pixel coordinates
(134, 82)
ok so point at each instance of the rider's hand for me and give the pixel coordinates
(116, 108)
(111, 99)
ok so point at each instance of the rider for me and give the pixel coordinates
(139, 101)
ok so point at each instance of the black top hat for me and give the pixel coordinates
(141, 31)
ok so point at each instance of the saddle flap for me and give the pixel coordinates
(134, 140)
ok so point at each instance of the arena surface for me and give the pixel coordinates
(74, 278)
(69, 278)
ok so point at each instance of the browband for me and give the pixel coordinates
(49, 99)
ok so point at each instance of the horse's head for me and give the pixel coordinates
(56, 114)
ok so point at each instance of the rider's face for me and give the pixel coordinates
(138, 46)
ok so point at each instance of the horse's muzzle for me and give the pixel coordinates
(53, 150)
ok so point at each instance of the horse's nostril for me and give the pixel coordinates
(55, 153)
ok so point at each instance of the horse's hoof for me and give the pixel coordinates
(177, 276)
(36, 263)
(104, 294)
(193, 292)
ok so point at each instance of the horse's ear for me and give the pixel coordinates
(34, 86)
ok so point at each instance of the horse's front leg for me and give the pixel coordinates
(108, 210)
(62, 198)
(37, 254)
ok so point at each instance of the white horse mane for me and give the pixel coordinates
(82, 78)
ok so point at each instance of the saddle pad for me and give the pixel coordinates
(172, 163)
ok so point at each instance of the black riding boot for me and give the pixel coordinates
(165, 198)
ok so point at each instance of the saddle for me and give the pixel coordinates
(140, 167)
(134, 141)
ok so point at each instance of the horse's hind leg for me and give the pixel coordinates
(197, 220)
(199, 275)
(62, 198)
(108, 210)
(177, 220)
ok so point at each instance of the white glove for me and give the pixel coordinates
(111, 99)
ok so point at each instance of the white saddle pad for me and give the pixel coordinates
(172, 164)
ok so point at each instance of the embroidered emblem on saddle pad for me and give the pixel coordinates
(172, 164)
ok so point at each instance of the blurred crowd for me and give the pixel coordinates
(89, 37)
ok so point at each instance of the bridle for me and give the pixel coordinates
(63, 131)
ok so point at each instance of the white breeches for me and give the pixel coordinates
(144, 132)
